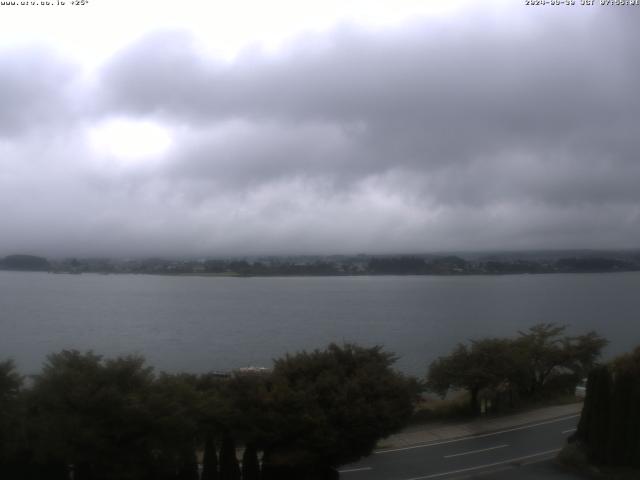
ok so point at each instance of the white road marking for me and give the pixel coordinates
(471, 437)
(564, 432)
(475, 451)
(488, 465)
(363, 469)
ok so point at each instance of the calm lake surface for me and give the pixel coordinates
(214, 323)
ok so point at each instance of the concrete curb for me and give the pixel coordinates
(443, 432)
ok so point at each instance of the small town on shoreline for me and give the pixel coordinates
(525, 262)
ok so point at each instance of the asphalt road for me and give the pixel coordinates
(540, 470)
(493, 455)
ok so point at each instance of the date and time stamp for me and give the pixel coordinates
(584, 3)
(564, 3)
(45, 3)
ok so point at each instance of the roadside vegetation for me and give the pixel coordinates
(607, 441)
(107, 419)
(115, 418)
(541, 364)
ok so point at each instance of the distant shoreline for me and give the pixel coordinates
(340, 265)
(336, 275)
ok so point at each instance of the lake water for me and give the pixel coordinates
(214, 323)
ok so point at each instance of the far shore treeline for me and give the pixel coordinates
(336, 265)
(115, 418)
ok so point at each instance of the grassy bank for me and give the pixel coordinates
(455, 407)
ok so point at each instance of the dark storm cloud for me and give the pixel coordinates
(513, 130)
(434, 98)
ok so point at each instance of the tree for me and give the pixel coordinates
(486, 364)
(397, 266)
(174, 406)
(601, 403)
(539, 361)
(240, 405)
(65, 419)
(609, 427)
(250, 464)
(583, 352)
(330, 407)
(625, 416)
(10, 381)
(210, 459)
(25, 262)
(623, 404)
(102, 416)
(547, 353)
(542, 346)
(229, 468)
(188, 469)
(11, 419)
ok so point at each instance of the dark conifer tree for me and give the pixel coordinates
(229, 468)
(582, 432)
(250, 464)
(601, 421)
(83, 471)
(50, 470)
(620, 441)
(188, 465)
(609, 428)
(634, 426)
(210, 460)
(594, 429)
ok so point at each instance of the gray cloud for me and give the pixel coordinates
(35, 87)
(480, 132)
(421, 96)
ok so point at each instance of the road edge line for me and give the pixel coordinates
(488, 465)
(469, 437)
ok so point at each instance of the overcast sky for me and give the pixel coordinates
(214, 128)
